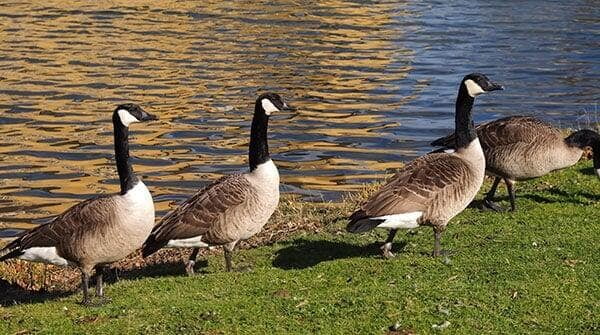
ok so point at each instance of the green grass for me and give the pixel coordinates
(533, 271)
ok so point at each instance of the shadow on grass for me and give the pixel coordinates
(13, 294)
(303, 253)
(560, 196)
(564, 197)
(589, 196)
(588, 171)
(166, 269)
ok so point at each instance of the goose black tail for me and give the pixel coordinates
(12, 250)
(360, 222)
(151, 246)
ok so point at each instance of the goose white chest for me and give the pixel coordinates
(135, 211)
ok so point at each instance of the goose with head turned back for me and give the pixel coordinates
(231, 209)
(432, 189)
(98, 231)
(520, 148)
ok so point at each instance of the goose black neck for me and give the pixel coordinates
(464, 127)
(126, 176)
(259, 148)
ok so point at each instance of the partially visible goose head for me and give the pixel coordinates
(269, 103)
(127, 114)
(587, 138)
(478, 83)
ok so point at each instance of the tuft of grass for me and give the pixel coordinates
(532, 271)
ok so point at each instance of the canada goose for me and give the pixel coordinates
(520, 147)
(433, 188)
(231, 209)
(97, 231)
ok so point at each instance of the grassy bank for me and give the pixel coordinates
(532, 271)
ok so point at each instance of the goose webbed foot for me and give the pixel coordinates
(386, 249)
(489, 205)
(87, 302)
(189, 267)
(101, 301)
(442, 253)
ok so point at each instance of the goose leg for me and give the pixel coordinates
(510, 186)
(189, 266)
(85, 282)
(387, 246)
(99, 287)
(437, 235)
(228, 265)
(488, 200)
(100, 270)
(228, 251)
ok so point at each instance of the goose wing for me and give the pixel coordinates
(199, 213)
(514, 130)
(415, 188)
(85, 217)
(505, 131)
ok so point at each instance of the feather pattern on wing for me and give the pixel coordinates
(86, 217)
(440, 185)
(200, 213)
(521, 147)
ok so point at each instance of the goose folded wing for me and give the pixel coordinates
(513, 130)
(199, 213)
(86, 216)
(504, 132)
(417, 186)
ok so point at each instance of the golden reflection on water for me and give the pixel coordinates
(199, 66)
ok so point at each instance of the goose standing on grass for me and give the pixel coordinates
(98, 231)
(432, 189)
(231, 209)
(520, 148)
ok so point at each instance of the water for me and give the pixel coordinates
(374, 81)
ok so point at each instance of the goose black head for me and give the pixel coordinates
(478, 83)
(271, 102)
(587, 138)
(130, 113)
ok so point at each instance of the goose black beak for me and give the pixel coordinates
(289, 108)
(148, 117)
(494, 87)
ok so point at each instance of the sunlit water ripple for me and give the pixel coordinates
(374, 82)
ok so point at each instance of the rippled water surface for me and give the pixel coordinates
(374, 82)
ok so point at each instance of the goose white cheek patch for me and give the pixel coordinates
(598, 173)
(268, 106)
(126, 117)
(473, 88)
